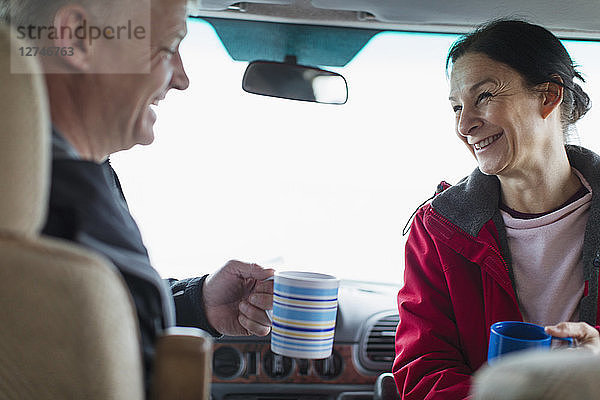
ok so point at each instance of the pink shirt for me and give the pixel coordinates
(546, 260)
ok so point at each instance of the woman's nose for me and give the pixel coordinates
(468, 122)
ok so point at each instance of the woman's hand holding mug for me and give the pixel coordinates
(586, 336)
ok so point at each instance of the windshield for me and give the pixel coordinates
(303, 186)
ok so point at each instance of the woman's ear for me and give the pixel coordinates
(552, 96)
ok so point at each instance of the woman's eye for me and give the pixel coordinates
(483, 96)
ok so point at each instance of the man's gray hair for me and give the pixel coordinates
(41, 12)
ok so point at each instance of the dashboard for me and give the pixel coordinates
(245, 368)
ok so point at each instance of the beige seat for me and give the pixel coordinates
(538, 375)
(68, 328)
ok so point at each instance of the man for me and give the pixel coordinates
(96, 112)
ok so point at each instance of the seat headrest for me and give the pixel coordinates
(24, 140)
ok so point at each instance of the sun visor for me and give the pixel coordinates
(270, 41)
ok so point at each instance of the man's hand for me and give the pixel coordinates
(235, 299)
(585, 335)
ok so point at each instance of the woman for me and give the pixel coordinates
(518, 239)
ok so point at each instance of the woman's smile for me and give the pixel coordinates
(487, 141)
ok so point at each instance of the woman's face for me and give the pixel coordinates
(498, 117)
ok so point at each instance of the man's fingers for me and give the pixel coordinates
(253, 271)
(261, 300)
(255, 314)
(264, 287)
(253, 327)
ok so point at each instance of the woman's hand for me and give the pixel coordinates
(585, 335)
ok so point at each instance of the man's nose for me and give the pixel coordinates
(179, 80)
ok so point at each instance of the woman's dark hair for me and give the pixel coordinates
(532, 51)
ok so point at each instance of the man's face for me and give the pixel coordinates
(134, 95)
(167, 72)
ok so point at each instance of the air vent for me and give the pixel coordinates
(376, 352)
(228, 362)
(380, 345)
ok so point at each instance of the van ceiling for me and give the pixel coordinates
(574, 19)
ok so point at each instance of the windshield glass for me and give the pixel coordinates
(297, 185)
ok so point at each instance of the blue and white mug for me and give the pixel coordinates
(304, 313)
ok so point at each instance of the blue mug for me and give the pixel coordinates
(510, 336)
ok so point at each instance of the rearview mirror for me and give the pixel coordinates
(296, 82)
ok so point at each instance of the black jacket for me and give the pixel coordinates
(87, 206)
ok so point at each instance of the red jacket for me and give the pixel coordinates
(458, 282)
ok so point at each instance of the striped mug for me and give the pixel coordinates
(304, 312)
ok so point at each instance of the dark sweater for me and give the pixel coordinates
(87, 206)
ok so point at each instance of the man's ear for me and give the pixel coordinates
(552, 96)
(72, 25)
